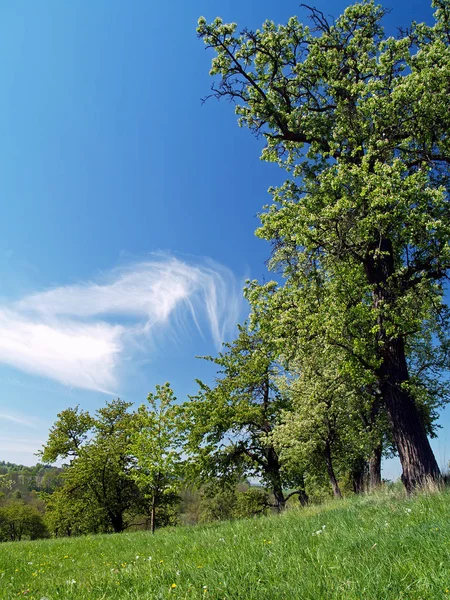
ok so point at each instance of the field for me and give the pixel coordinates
(372, 547)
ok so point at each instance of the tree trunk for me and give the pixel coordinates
(358, 475)
(375, 468)
(330, 471)
(408, 431)
(117, 522)
(303, 498)
(153, 515)
(273, 472)
(279, 497)
(416, 456)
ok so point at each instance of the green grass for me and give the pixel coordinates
(373, 547)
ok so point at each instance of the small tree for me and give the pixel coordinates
(156, 447)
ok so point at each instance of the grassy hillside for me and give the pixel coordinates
(366, 548)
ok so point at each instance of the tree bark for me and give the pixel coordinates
(358, 474)
(117, 522)
(273, 472)
(375, 468)
(330, 470)
(303, 498)
(408, 431)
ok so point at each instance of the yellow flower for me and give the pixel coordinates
(174, 585)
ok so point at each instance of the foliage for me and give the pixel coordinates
(99, 473)
(19, 520)
(155, 444)
(229, 425)
(217, 505)
(251, 503)
(222, 503)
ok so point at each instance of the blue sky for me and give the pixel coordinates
(127, 207)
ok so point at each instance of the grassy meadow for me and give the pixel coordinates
(366, 548)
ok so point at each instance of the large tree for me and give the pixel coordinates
(360, 122)
(98, 475)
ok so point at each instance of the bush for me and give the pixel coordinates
(19, 520)
(255, 501)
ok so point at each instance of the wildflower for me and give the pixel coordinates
(71, 581)
(173, 586)
(137, 557)
(407, 511)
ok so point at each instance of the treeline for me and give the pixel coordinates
(22, 509)
(30, 511)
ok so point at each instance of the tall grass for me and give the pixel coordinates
(372, 547)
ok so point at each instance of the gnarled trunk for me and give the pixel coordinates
(408, 431)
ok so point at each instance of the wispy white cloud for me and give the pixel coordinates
(78, 334)
(14, 418)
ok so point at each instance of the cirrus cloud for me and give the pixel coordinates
(78, 334)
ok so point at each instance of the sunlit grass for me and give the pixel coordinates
(373, 547)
